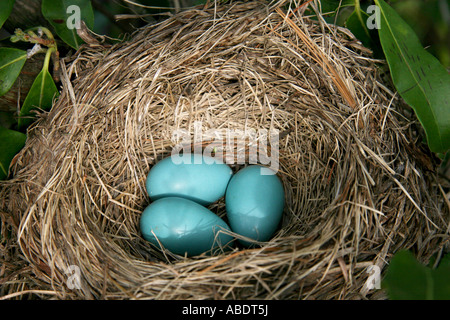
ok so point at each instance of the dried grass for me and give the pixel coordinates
(357, 187)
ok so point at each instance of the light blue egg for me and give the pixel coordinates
(184, 226)
(196, 177)
(254, 202)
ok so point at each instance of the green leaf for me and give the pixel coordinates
(62, 18)
(445, 262)
(357, 23)
(418, 77)
(5, 10)
(11, 142)
(41, 95)
(11, 63)
(407, 279)
(7, 119)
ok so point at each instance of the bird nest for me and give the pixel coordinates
(358, 187)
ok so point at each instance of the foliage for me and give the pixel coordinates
(43, 90)
(407, 279)
(418, 77)
(5, 10)
(59, 14)
(357, 22)
(40, 95)
(11, 142)
(11, 62)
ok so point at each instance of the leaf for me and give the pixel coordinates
(5, 10)
(442, 278)
(11, 63)
(407, 279)
(418, 77)
(357, 24)
(7, 119)
(61, 17)
(445, 261)
(41, 95)
(11, 142)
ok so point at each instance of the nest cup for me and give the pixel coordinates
(358, 185)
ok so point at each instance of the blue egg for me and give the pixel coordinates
(254, 202)
(184, 226)
(195, 177)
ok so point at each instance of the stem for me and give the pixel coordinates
(48, 33)
(361, 20)
(32, 37)
(47, 57)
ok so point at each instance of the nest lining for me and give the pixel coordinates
(355, 191)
